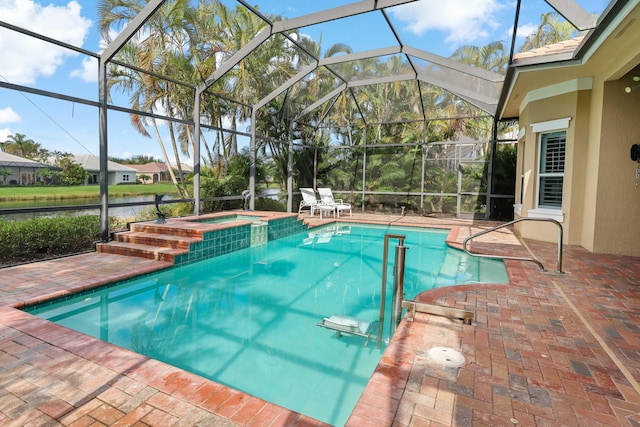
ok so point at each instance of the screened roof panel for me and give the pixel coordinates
(433, 39)
(383, 107)
(479, 91)
(262, 72)
(368, 68)
(296, 8)
(457, 47)
(316, 84)
(434, 99)
(360, 32)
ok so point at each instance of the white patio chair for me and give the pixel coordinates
(309, 200)
(326, 197)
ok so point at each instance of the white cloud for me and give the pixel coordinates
(25, 58)
(4, 134)
(88, 72)
(464, 21)
(527, 30)
(7, 115)
(524, 31)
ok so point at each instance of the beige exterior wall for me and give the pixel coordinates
(553, 108)
(617, 216)
(601, 196)
(591, 167)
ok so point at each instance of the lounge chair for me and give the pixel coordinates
(309, 200)
(326, 197)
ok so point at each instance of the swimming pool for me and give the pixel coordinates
(248, 319)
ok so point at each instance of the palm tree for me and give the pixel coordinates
(135, 84)
(276, 117)
(550, 30)
(493, 56)
(19, 145)
(148, 93)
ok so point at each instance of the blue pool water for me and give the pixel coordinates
(249, 318)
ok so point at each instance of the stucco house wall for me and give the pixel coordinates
(601, 195)
(116, 173)
(549, 109)
(617, 208)
(122, 177)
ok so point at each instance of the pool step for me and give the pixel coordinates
(160, 242)
(183, 229)
(155, 239)
(449, 270)
(140, 250)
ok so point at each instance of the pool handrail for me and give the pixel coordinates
(503, 257)
(398, 276)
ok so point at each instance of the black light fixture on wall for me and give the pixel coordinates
(635, 156)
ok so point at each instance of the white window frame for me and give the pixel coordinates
(541, 129)
(541, 175)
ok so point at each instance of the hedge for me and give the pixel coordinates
(40, 238)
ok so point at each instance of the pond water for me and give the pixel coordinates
(125, 212)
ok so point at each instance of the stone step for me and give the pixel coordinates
(140, 250)
(184, 229)
(155, 239)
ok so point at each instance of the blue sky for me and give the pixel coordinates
(71, 127)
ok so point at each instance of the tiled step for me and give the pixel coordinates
(154, 239)
(449, 270)
(185, 229)
(140, 250)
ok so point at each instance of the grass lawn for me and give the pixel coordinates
(83, 191)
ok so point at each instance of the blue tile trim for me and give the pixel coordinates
(220, 242)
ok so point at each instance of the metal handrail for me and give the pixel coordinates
(480, 233)
(383, 291)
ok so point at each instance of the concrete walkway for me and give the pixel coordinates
(547, 349)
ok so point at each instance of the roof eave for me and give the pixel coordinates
(607, 23)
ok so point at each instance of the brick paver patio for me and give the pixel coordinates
(547, 349)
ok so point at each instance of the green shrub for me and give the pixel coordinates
(40, 238)
(179, 209)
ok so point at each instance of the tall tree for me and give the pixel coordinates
(165, 34)
(493, 56)
(20, 145)
(550, 30)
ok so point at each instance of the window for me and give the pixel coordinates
(125, 177)
(551, 170)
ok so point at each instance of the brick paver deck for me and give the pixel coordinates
(548, 349)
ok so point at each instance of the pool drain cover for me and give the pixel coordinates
(446, 357)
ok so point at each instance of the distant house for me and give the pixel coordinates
(117, 173)
(156, 172)
(22, 171)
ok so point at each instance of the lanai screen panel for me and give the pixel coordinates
(372, 67)
(389, 102)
